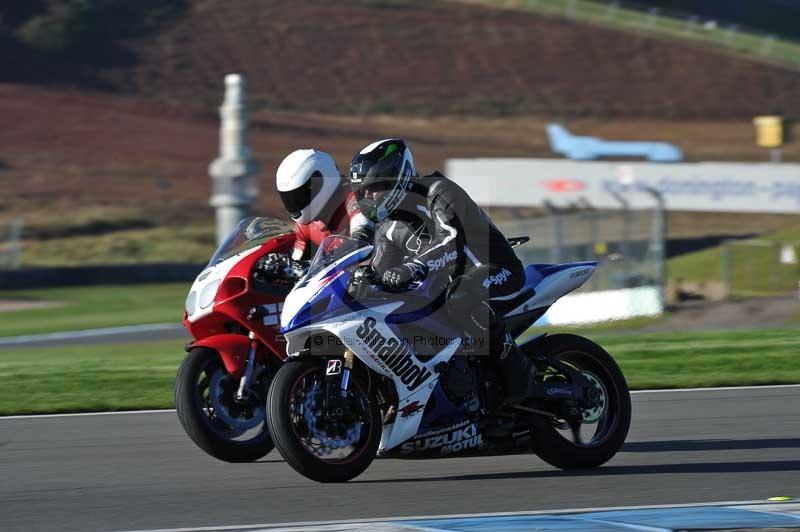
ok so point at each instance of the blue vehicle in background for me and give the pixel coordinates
(589, 148)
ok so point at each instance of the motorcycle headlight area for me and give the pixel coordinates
(191, 301)
(208, 292)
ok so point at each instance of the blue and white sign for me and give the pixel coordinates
(717, 187)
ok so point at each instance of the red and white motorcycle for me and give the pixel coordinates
(233, 314)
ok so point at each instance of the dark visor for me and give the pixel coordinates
(298, 199)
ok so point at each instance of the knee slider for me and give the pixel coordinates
(482, 317)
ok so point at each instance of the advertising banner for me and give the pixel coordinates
(720, 187)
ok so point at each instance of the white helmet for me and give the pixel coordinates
(307, 179)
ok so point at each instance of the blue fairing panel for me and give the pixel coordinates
(534, 273)
(532, 276)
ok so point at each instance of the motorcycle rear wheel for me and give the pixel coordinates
(303, 431)
(201, 372)
(561, 444)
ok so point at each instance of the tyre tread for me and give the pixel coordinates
(196, 427)
(557, 451)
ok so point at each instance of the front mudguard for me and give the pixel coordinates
(232, 349)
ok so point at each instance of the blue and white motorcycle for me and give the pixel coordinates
(372, 372)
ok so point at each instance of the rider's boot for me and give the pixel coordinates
(518, 370)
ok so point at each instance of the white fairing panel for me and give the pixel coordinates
(555, 286)
(210, 275)
(373, 342)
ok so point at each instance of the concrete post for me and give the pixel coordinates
(11, 257)
(725, 259)
(570, 9)
(652, 17)
(611, 11)
(233, 173)
(659, 242)
(556, 234)
(766, 44)
(730, 34)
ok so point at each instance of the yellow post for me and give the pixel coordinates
(769, 134)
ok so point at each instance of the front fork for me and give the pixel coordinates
(348, 367)
(244, 382)
(337, 382)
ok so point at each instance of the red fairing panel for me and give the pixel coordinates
(232, 348)
(232, 304)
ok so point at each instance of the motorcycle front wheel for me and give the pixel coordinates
(205, 400)
(322, 441)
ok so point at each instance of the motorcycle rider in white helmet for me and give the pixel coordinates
(321, 203)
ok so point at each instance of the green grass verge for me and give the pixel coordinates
(85, 378)
(88, 307)
(133, 376)
(755, 267)
(699, 359)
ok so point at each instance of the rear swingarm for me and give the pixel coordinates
(578, 389)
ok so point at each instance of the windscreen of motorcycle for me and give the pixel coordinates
(249, 233)
(335, 254)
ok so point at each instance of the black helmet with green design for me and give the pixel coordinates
(381, 175)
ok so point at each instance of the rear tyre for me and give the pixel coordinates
(204, 400)
(596, 436)
(318, 442)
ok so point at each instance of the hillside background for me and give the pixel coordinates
(128, 95)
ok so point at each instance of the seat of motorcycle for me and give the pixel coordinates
(532, 278)
(534, 273)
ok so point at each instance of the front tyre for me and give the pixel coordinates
(209, 413)
(595, 434)
(323, 440)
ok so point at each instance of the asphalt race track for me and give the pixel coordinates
(139, 471)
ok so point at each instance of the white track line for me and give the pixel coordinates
(87, 414)
(718, 389)
(90, 333)
(635, 392)
(305, 524)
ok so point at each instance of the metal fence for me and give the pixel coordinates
(760, 267)
(629, 244)
(11, 245)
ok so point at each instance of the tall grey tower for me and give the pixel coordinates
(234, 172)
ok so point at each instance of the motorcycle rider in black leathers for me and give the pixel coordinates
(430, 227)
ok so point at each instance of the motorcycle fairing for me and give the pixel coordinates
(551, 282)
(375, 343)
(298, 309)
(214, 274)
(232, 349)
(370, 334)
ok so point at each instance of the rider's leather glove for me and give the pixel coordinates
(400, 277)
(281, 266)
(297, 268)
